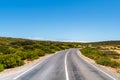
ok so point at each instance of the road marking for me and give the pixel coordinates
(30, 68)
(98, 68)
(66, 70)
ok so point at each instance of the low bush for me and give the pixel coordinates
(1, 67)
(116, 57)
(31, 55)
(22, 54)
(91, 53)
(108, 62)
(51, 51)
(11, 61)
(39, 52)
(111, 54)
(100, 57)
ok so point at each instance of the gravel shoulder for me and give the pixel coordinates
(9, 74)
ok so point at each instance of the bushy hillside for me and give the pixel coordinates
(105, 53)
(102, 57)
(113, 43)
(14, 51)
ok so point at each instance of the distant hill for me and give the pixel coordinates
(106, 43)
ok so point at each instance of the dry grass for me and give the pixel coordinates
(111, 48)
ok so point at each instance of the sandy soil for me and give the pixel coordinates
(118, 51)
(111, 48)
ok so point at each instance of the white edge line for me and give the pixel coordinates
(30, 69)
(66, 70)
(98, 68)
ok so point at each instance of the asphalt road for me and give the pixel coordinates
(65, 65)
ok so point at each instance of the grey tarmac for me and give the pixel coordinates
(66, 65)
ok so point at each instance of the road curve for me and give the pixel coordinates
(65, 65)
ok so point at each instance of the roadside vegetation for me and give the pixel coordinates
(105, 58)
(104, 43)
(14, 51)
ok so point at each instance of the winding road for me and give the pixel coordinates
(65, 65)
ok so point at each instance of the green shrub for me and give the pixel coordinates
(111, 54)
(100, 57)
(1, 53)
(108, 62)
(22, 54)
(51, 51)
(115, 57)
(3, 49)
(7, 50)
(12, 60)
(31, 56)
(91, 53)
(103, 61)
(1, 67)
(64, 47)
(39, 52)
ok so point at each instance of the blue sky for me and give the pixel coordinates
(61, 20)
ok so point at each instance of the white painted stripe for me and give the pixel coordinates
(29, 69)
(98, 68)
(66, 70)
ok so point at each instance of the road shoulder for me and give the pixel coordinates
(103, 68)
